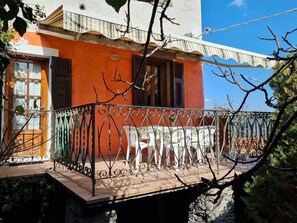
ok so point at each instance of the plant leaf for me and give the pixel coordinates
(5, 60)
(3, 15)
(27, 13)
(6, 207)
(20, 109)
(116, 4)
(35, 104)
(20, 25)
(13, 10)
(5, 25)
(2, 46)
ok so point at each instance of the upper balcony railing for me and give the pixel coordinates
(104, 140)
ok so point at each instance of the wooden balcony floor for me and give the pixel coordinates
(25, 170)
(131, 186)
(120, 188)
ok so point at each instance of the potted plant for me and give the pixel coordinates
(172, 117)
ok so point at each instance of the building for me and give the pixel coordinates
(67, 69)
(67, 53)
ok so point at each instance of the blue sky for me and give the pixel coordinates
(218, 14)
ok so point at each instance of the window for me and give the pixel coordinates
(26, 90)
(26, 85)
(162, 83)
(28, 81)
(152, 84)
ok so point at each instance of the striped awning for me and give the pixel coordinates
(69, 20)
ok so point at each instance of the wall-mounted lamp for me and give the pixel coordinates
(115, 57)
(82, 6)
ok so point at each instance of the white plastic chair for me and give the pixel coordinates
(134, 140)
(177, 141)
(201, 138)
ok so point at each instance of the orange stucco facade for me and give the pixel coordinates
(90, 61)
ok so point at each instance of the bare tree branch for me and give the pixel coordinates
(132, 84)
(128, 20)
(164, 16)
(281, 123)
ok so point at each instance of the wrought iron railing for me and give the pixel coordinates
(25, 137)
(104, 140)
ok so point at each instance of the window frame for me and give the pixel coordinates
(169, 80)
(10, 81)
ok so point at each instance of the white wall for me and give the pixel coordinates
(186, 12)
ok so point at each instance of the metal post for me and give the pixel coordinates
(217, 140)
(1, 111)
(53, 141)
(93, 149)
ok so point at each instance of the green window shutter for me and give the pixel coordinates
(138, 94)
(178, 85)
(61, 82)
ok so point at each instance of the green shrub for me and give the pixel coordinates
(272, 194)
(24, 199)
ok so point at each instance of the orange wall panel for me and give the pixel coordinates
(90, 61)
(193, 84)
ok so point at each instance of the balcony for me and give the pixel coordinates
(124, 145)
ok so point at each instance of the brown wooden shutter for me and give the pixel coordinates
(138, 94)
(178, 85)
(61, 82)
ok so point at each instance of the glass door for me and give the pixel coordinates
(28, 91)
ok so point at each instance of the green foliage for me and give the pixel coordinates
(20, 109)
(5, 37)
(116, 4)
(172, 117)
(24, 199)
(9, 10)
(9, 14)
(272, 195)
(20, 25)
(285, 83)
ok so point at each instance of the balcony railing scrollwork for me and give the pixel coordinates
(105, 140)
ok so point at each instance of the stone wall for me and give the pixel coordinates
(203, 209)
(179, 206)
